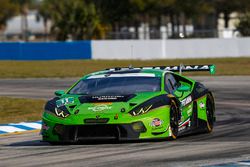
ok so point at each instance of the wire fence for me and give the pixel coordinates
(143, 35)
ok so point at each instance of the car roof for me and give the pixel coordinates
(156, 72)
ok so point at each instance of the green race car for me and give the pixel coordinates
(130, 104)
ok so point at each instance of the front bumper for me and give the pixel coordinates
(73, 129)
(76, 133)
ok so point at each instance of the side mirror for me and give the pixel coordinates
(183, 88)
(59, 92)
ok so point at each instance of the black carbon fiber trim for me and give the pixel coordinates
(156, 102)
(51, 104)
(199, 91)
(75, 133)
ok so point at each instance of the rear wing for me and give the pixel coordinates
(182, 68)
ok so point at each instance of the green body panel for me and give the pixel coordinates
(201, 107)
(112, 110)
(123, 118)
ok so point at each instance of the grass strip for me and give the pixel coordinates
(13, 110)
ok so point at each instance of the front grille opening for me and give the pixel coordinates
(98, 131)
(92, 120)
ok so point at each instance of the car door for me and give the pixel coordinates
(185, 99)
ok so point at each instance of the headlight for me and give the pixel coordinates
(138, 127)
(51, 107)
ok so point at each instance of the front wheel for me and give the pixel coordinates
(174, 122)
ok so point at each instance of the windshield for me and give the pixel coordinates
(117, 85)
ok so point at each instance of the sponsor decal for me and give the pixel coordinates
(64, 101)
(184, 123)
(181, 128)
(100, 108)
(61, 113)
(106, 98)
(102, 103)
(122, 75)
(196, 67)
(156, 122)
(202, 105)
(186, 101)
(103, 98)
(142, 110)
(174, 68)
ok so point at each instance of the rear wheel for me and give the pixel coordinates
(174, 122)
(210, 113)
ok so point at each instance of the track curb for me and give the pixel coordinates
(18, 128)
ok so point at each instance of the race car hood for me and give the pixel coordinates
(108, 104)
(112, 104)
(101, 108)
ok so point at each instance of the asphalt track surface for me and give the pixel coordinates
(229, 142)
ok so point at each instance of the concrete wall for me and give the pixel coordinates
(126, 49)
(170, 49)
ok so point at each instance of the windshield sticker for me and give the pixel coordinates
(100, 108)
(64, 101)
(122, 75)
(103, 98)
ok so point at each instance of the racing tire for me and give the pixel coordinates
(174, 121)
(210, 113)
